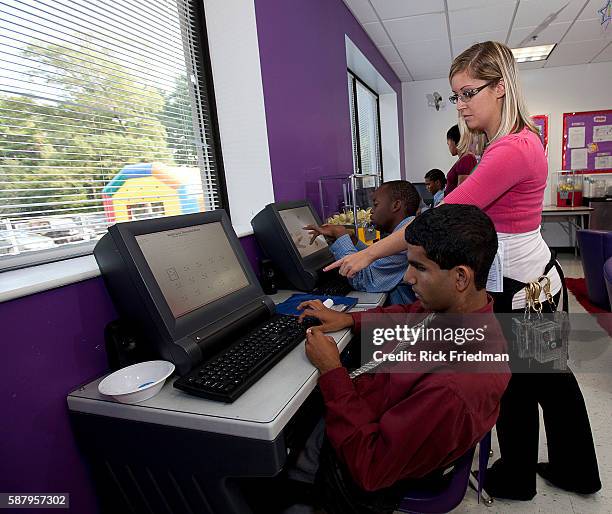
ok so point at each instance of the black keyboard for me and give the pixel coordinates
(336, 286)
(230, 373)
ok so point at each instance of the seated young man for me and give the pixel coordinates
(394, 205)
(435, 182)
(385, 428)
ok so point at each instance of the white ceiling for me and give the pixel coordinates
(419, 38)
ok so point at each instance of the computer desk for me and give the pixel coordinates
(177, 453)
(556, 214)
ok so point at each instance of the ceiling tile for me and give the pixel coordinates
(531, 65)
(405, 78)
(606, 55)
(389, 9)
(579, 52)
(390, 53)
(377, 33)
(533, 12)
(433, 53)
(398, 67)
(416, 28)
(590, 11)
(586, 30)
(464, 42)
(494, 18)
(551, 34)
(401, 71)
(455, 5)
(432, 73)
(362, 9)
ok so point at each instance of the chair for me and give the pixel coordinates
(595, 249)
(607, 272)
(446, 497)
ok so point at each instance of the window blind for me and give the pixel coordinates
(351, 89)
(106, 115)
(365, 125)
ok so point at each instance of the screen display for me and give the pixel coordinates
(193, 266)
(295, 220)
(422, 190)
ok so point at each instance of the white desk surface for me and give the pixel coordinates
(260, 413)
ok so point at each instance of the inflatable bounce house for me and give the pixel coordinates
(146, 190)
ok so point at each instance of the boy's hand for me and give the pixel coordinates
(330, 232)
(322, 351)
(330, 319)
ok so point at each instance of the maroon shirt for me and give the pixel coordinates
(392, 426)
(463, 166)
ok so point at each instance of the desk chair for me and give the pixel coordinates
(607, 272)
(595, 249)
(450, 494)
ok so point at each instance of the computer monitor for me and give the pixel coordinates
(184, 281)
(426, 196)
(279, 231)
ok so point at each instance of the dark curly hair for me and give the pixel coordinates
(406, 193)
(453, 134)
(436, 174)
(454, 235)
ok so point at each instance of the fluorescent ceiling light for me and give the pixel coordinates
(532, 53)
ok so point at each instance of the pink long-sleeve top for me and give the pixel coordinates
(508, 183)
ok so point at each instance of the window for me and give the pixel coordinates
(106, 115)
(365, 126)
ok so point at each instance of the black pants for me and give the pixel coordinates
(570, 442)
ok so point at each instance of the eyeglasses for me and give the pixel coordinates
(468, 94)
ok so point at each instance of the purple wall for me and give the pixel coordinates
(53, 341)
(303, 64)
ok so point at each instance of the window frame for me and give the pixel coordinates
(355, 122)
(207, 100)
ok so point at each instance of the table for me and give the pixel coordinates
(179, 453)
(560, 214)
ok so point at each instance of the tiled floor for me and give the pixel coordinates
(597, 390)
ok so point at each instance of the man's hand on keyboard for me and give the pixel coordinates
(322, 351)
(330, 319)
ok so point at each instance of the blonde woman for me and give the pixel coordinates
(508, 185)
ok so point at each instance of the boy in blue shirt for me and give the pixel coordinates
(394, 205)
(435, 182)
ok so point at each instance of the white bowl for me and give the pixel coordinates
(137, 382)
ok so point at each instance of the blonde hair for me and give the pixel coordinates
(493, 61)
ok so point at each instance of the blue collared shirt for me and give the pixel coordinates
(438, 197)
(384, 275)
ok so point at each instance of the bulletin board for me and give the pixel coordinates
(541, 122)
(587, 141)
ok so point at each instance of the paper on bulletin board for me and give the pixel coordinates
(541, 123)
(579, 158)
(575, 139)
(602, 133)
(603, 162)
(596, 129)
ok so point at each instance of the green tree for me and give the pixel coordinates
(176, 118)
(96, 118)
